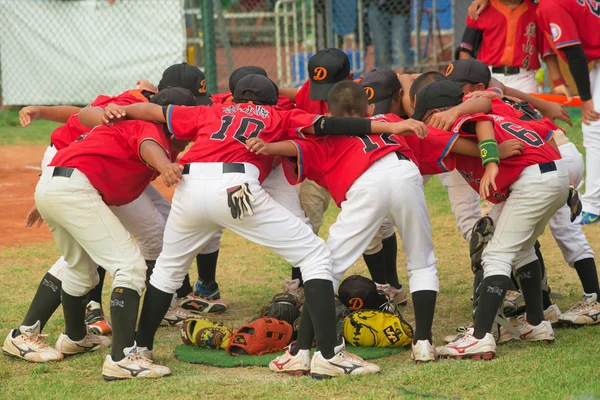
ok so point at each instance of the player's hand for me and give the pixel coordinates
(556, 111)
(258, 146)
(510, 148)
(563, 90)
(28, 114)
(488, 179)
(409, 127)
(145, 84)
(33, 216)
(486, 94)
(588, 112)
(112, 115)
(476, 8)
(171, 174)
(443, 120)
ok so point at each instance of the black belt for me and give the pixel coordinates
(402, 156)
(228, 168)
(547, 167)
(506, 70)
(63, 171)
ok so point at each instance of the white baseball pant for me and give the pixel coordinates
(524, 81)
(393, 189)
(87, 233)
(591, 142)
(534, 198)
(200, 210)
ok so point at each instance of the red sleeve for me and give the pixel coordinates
(148, 131)
(184, 122)
(433, 152)
(285, 103)
(459, 125)
(294, 121)
(221, 97)
(554, 19)
(295, 168)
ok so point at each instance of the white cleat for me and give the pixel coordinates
(342, 363)
(586, 312)
(552, 314)
(468, 346)
(90, 342)
(535, 333)
(423, 351)
(133, 366)
(28, 344)
(398, 295)
(295, 365)
(292, 286)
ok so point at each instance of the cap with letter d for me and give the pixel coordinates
(326, 68)
(440, 94)
(360, 293)
(381, 85)
(186, 76)
(468, 71)
(256, 88)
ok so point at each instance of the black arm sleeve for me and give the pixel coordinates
(471, 38)
(579, 69)
(349, 126)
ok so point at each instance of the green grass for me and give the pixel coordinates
(249, 275)
(37, 133)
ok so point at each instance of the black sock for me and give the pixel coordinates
(530, 277)
(390, 252)
(424, 305)
(477, 279)
(149, 268)
(546, 302)
(493, 289)
(319, 300)
(207, 266)
(297, 274)
(186, 287)
(156, 305)
(513, 284)
(588, 275)
(376, 264)
(124, 306)
(45, 301)
(306, 333)
(96, 293)
(74, 311)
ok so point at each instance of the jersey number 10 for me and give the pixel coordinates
(241, 134)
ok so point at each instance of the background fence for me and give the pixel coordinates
(69, 51)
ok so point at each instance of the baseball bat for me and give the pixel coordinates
(559, 98)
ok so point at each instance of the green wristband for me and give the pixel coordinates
(489, 152)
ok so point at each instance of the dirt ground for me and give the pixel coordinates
(19, 172)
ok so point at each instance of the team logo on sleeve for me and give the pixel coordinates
(556, 32)
(594, 6)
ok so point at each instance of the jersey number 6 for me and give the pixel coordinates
(240, 134)
(527, 136)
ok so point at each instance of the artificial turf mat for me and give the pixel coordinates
(220, 358)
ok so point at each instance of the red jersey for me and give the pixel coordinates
(109, 156)
(220, 131)
(66, 134)
(571, 22)
(509, 35)
(283, 102)
(509, 108)
(536, 151)
(303, 101)
(336, 162)
(433, 152)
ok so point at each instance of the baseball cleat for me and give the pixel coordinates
(513, 300)
(133, 366)
(469, 346)
(587, 218)
(208, 290)
(460, 332)
(199, 304)
(398, 295)
(94, 317)
(176, 315)
(28, 344)
(502, 335)
(145, 353)
(423, 351)
(534, 333)
(585, 312)
(292, 286)
(342, 363)
(89, 343)
(295, 365)
(552, 314)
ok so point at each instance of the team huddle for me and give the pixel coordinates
(264, 163)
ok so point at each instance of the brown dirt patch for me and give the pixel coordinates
(19, 172)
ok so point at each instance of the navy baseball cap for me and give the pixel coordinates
(186, 76)
(256, 88)
(242, 72)
(440, 94)
(174, 95)
(469, 71)
(326, 68)
(381, 85)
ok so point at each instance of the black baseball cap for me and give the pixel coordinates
(469, 71)
(381, 84)
(326, 68)
(256, 88)
(242, 72)
(186, 76)
(443, 93)
(360, 293)
(174, 95)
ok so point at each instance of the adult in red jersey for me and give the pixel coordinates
(221, 188)
(108, 166)
(529, 188)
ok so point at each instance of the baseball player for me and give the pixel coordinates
(221, 189)
(529, 189)
(473, 75)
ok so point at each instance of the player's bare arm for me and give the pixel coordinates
(445, 120)
(146, 85)
(155, 156)
(476, 8)
(487, 141)
(560, 85)
(290, 93)
(140, 111)
(259, 146)
(50, 113)
(33, 216)
(506, 149)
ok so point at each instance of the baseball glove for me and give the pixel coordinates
(265, 335)
(284, 307)
(341, 311)
(480, 236)
(202, 333)
(377, 329)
